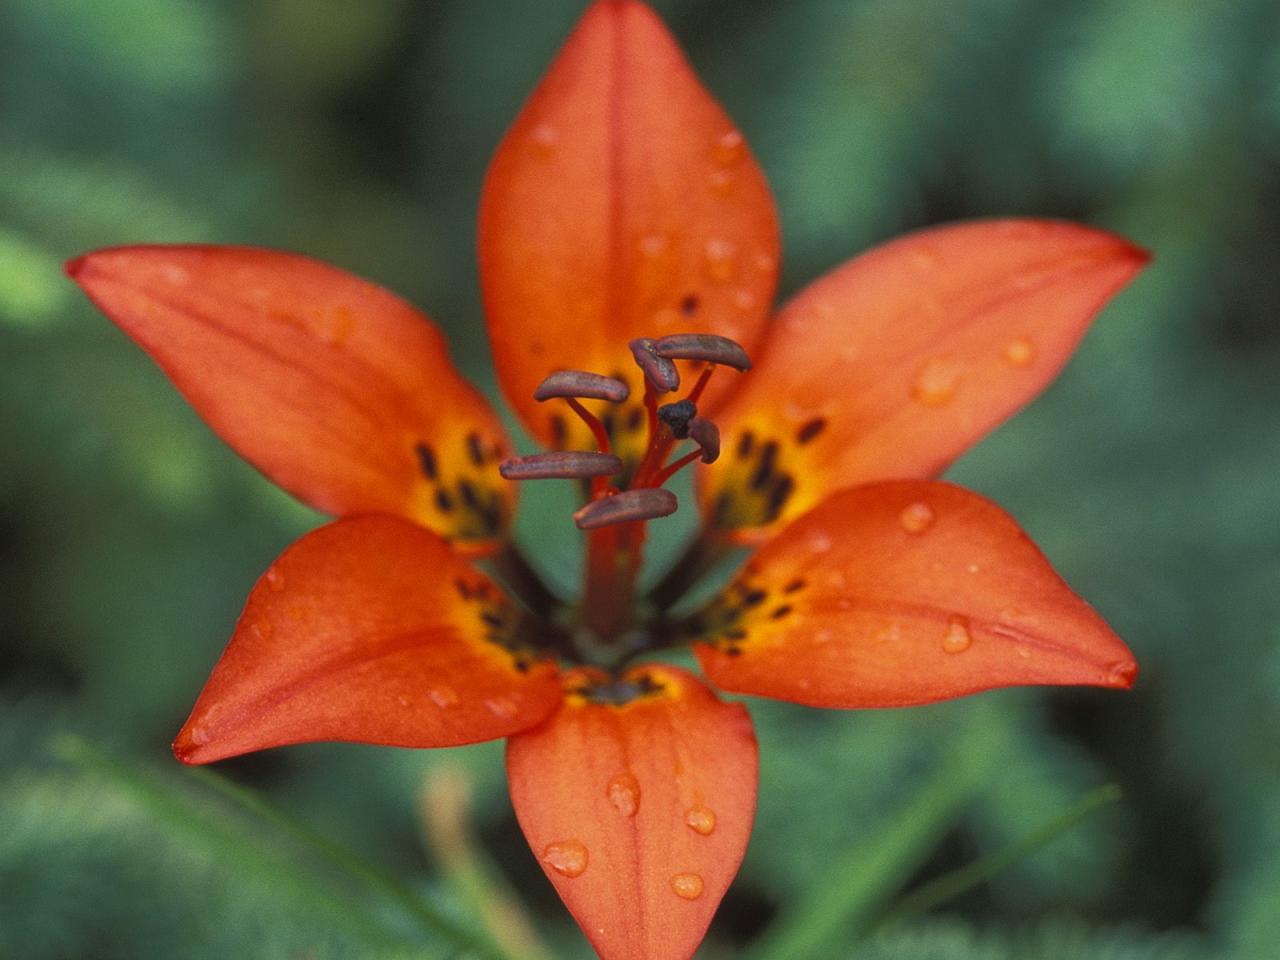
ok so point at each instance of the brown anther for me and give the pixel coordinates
(646, 503)
(581, 384)
(677, 417)
(703, 346)
(706, 435)
(659, 371)
(562, 465)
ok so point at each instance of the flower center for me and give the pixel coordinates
(622, 495)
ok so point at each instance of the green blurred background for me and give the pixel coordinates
(358, 132)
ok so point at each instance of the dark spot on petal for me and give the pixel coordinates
(635, 419)
(689, 305)
(796, 584)
(427, 461)
(811, 429)
(753, 598)
(475, 449)
(781, 611)
(559, 432)
(745, 444)
(764, 471)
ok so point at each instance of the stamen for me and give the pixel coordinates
(707, 436)
(658, 371)
(581, 384)
(626, 507)
(677, 417)
(561, 465)
(703, 346)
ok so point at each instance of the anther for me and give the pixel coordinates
(643, 504)
(677, 417)
(561, 465)
(706, 435)
(659, 371)
(580, 384)
(703, 346)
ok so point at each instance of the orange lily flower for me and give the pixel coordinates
(627, 236)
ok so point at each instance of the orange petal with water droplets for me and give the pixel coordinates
(895, 363)
(622, 203)
(372, 630)
(901, 593)
(639, 814)
(336, 389)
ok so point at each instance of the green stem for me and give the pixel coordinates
(847, 896)
(169, 804)
(951, 885)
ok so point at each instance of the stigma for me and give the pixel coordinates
(618, 495)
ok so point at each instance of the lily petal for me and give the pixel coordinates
(639, 813)
(336, 389)
(901, 593)
(894, 364)
(622, 203)
(373, 630)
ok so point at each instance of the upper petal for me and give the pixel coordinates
(892, 365)
(370, 629)
(639, 813)
(901, 593)
(336, 389)
(622, 203)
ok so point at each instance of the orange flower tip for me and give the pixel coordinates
(561, 465)
(645, 503)
(581, 385)
(660, 372)
(73, 266)
(707, 347)
(1121, 675)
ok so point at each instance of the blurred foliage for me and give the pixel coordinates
(358, 133)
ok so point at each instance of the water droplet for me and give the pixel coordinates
(688, 886)
(263, 629)
(925, 258)
(1122, 673)
(973, 568)
(720, 181)
(624, 793)
(823, 636)
(730, 148)
(336, 326)
(545, 139)
(1019, 352)
(916, 517)
(820, 541)
(178, 276)
(275, 579)
(403, 700)
(700, 819)
(503, 707)
(936, 383)
(443, 697)
(721, 260)
(764, 262)
(654, 244)
(200, 735)
(957, 639)
(744, 299)
(566, 857)
(889, 634)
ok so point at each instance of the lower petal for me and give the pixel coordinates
(638, 811)
(902, 593)
(371, 630)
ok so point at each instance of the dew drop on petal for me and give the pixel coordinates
(275, 579)
(721, 259)
(336, 326)
(263, 629)
(764, 262)
(730, 148)
(957, 639)
(700, 820)
(200, 735)
(403, 700)
(443, 697)
(720, 181)
(502, 707)
(653, 245)
(924, 258)
(820, 541)
(688, 886)
(916, 517)
(545, 139)
(936, 383)
(1122, 673)
(566, 857)
(1019, 352)
(624, 793)
(744, 299)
